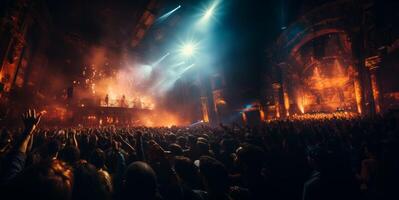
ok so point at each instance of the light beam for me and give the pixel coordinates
(160, 60)
(209, 13)
(166, 15)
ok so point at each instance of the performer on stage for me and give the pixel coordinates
(106, 100)
(123, 101)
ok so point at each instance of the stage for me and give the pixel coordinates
(101, 115)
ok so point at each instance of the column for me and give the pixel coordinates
(218, 104)
(372, 64)
(358, 90)
(204, 108)
(276, 96)
(285, 93)
(286, 100)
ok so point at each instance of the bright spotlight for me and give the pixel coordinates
(188, 49)
(208, 14)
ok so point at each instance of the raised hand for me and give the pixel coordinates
(156, 152)
(31, 119)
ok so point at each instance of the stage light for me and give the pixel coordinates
(209, 12)
(188, 49)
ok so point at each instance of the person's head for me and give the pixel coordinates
(139, 181)
(202, 139)
(228, 145)
(250, 159)
(175, 149)
(214, 175)
(186, 170)
(203, 148)
(315, 155)
(192, 140)
(70, 155)
(182, 141)
(171, 138)
(88, 184)
(114, 159)
(97, 158)
(48, 180)
(53, 146)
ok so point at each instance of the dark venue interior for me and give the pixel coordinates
(199, 99)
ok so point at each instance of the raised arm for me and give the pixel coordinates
(30, 119)
(139, 146)
(16, 158)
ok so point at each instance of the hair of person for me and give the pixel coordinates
(47, 180)
(251, 156)
(88, 184)
(139, 181)
(70, 155)
(214, 174)
(186, 169)
(98, 158)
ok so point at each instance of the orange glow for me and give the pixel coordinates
(91, 117)
(358, 95)
(244, 117)
(323, 116)
(54, 112)
(277, 110)
(319, 82)
(262, 115)
(221, 102)
(116, 91)
(161, 119)
(301, 108)
(286, 103)
(204, 107)
(125, 84)
(327, 87)
(376, 93)
(301, 104)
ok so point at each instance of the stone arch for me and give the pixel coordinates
(327, 20)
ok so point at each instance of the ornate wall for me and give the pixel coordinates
(24, 27)
(328, 60)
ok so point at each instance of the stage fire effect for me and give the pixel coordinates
(123, 92)
(326, 88)
(319, 76)
(133, 84)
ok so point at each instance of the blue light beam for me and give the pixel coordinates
(166, 15)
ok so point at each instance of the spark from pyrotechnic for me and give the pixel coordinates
(127, 82)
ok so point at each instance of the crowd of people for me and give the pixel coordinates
(325, 116)
(319, 159)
